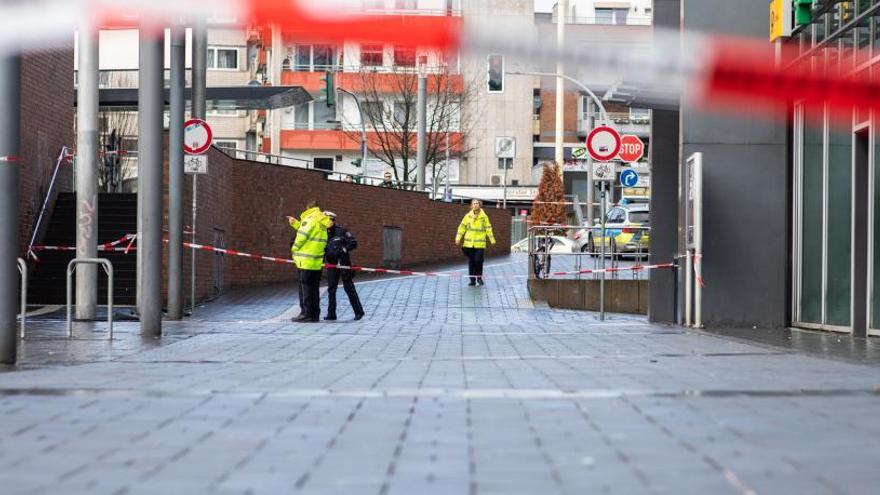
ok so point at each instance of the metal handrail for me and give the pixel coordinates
(108, 268)
(42, 214)
(270, 158)
(22, 268)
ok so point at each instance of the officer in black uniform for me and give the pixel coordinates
(340, 243)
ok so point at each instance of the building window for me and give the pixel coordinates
(324, 117)
(374, 111)
(404, 56)
(303, 59)
(451, 60)
(222, 58)
(505, 163)
(301, 117)
(639, 115)
(372, 55)
(405, 4)
(401, 118)
(325, 164)
(128, 144)
(611, 16)
(323, 57)
(233, 145)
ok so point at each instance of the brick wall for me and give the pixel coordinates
(47, 116)
(548, 116)
(248, 202)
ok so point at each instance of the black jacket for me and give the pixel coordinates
(340, 244)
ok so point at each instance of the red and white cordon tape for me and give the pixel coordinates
(636, 268)
(114, 247)
(232, 252)
(106, 247)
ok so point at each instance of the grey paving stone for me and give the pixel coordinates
(442, 389)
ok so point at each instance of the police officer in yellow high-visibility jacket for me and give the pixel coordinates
(308, 255)
(473, 233)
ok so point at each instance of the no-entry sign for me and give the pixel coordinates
(603, 144)
(632, 149)
(197, 136)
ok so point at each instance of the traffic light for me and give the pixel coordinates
(329, 91)
(803, 12)
(495, 79)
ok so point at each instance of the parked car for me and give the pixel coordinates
(627, 230)
(558, 245)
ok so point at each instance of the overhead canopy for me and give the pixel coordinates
(218, 98)
(638, 96)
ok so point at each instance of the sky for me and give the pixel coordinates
(544, 5)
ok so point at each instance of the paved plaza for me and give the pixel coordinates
(443, 388)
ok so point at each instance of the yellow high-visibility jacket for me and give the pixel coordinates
(311, 240)
(475, 229)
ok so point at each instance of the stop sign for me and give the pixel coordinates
(632, 149)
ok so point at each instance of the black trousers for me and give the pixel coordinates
(475, 262)
(310, 288)
(302, 296)
(347, 276)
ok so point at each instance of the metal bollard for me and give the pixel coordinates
(108, 269)
(22, 268)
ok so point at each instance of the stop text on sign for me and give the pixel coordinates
(632, 149)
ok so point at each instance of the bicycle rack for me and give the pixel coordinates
(22, 268)
(108, 269)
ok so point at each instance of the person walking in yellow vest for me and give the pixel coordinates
(308, 255)
(473, 233)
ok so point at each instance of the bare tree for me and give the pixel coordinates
(117, 131)
(389, 106)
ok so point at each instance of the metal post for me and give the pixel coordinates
(698, 241)
(561, 15)
(591, 185)
(199, 111)
(364, 142)
(602, 257)
(10, 119)
(176, 176)
(504, 187)
(151, 107)
(422, 114)
(71, 269)
(23, 269)
(688, 283)
(87, 174)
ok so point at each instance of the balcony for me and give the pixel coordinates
(385, 80)
(338, 140)
(625, 122)
(603, 21)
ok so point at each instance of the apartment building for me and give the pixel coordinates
(590, 25)
(232, 61)
(376, 92)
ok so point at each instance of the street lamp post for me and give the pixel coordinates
(357, 102)
(603, 113)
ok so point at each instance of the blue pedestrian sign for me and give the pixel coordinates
(629, 178)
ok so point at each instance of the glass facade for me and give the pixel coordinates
(839, 227)
(812, 206)
(845, 38)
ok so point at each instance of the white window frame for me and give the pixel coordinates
(225, 143)
(381, 52)
(213, 56)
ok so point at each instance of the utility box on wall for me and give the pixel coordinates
(392, 242)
